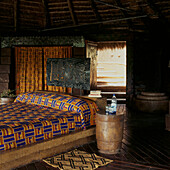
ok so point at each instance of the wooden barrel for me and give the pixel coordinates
(152, 102)
(152, 94)
(109, 133)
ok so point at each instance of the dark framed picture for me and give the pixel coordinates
(69, 72)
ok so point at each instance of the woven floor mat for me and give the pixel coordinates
(77, 159)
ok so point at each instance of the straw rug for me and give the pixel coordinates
(77, 159)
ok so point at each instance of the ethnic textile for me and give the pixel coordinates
(85, 107)
(28, 69)
(37, 116)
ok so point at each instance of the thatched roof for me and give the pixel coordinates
(106, 15)
(111, 45)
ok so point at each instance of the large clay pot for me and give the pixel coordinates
(109, 133)
(152, 102)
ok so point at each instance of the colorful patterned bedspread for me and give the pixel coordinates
(38, 116)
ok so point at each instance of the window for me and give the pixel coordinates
(111, 65)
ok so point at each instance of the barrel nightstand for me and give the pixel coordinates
(109, 131)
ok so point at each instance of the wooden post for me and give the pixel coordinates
(130, 75)
(47, 21)
(169, 107)
(91, 52)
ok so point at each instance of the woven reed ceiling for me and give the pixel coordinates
(50, 15)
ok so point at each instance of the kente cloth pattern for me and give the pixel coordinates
(29, 69)
(65, 102)
(77, 159)
(23, 123)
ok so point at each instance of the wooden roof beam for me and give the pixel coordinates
(94, 23)
(16, 14)
(111, 5)
(47, 20)
(95, 11)
(155, 9)
(71, 9)
(119, 4)
(146, 20)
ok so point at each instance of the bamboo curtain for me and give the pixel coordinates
(31, 67)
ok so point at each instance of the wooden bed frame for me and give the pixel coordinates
(16, 157)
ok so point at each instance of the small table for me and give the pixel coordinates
(109, 130)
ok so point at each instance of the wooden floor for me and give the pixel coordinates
(145, 145)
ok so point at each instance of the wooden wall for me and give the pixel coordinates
(151, 72)
(5, 61)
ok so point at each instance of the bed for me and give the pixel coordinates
(37, 117)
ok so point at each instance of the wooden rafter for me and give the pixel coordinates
(95, 11)
(71, 9)
(47, 15)
(155, 9)
(16, 15)
(146, 20)
(98, 22)
(121, 8)
(119, 4)
(117, 7)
